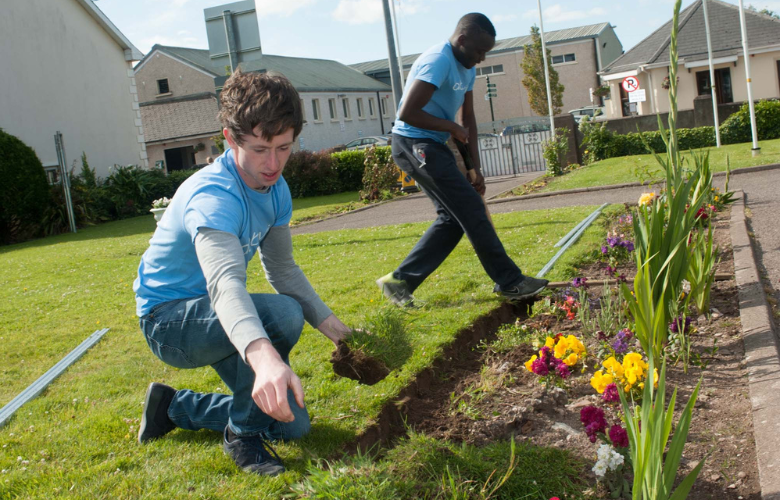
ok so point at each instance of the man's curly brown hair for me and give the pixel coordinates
(268, 100)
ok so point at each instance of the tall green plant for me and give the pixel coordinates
(701, 272)
(649, 427)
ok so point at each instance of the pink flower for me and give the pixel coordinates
(618, 436)
(593, 419)
(611, 394)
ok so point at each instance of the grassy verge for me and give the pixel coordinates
(317, 207)
(645, 168)
(78, 438)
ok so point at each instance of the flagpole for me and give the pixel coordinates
(546, 69)
(712, 75)
(756, 150)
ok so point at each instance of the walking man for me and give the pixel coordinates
(440, 82)
(191, 293)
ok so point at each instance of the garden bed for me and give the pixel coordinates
(481, 393)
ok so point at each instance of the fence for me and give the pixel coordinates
(511, 147)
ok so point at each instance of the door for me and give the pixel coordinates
(173, 159)
(723, 90)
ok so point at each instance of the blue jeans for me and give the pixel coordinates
(460, 210)
(186, 333)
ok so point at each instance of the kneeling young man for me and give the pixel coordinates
(191, 290)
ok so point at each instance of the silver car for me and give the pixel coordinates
(367, 142)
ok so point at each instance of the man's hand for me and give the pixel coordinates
(478, 181)
(459, 133)
(334, 329)
(272, 379)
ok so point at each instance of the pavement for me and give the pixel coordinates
(755, 234)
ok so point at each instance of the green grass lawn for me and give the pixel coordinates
(625, 169)
(317, 207)
(79, 437)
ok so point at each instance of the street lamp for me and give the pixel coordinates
(546, 68)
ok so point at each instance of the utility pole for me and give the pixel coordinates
(392, 59)
(546, 68)
(712, 75)
(398, 44)
(756, 150)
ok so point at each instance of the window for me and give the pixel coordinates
(384, 106)
(52, 174)
(162, 86)
(489, 70)
(361, 115)
(332, 109)
(565, 58)
(315, 110)
(303, 112)
(345, 106)
(371, 109)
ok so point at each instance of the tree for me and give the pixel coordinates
(765, 11)
(533, 67)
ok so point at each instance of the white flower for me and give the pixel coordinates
(161, 202)
(600, 468)
(615, 461)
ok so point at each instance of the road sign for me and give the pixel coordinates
(630, 83)
(491, 86)
(637, 96)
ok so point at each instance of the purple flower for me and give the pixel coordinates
(539, 367)
(579, 282)
(620, 344)
(622, 278)
(602, 336)
(611, 270)
(618, 436)
(593, 419)
(674, 326)
(604, 250)
(628, 245)
(613, 241)
(562, 370)
(611, 394)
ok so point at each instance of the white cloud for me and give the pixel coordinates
(283, 8)
(557, 14)
(503, 18)
(410, 7)
(358, 11)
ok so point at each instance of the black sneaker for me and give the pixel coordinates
(526, 289)
(154, 421)
(252, 454)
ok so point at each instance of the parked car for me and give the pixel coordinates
(367, 142)
(592, 112)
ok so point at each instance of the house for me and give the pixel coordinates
(648, 62)
(578, 54)
(67, 68)
(178, 89)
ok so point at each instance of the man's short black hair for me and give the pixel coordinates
(475, 23)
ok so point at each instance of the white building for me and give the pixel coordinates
(66, 67)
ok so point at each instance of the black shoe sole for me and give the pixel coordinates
(518, 298)
(152, 398)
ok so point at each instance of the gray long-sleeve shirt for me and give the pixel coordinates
(222, 260)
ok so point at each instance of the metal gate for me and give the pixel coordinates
(511, 147)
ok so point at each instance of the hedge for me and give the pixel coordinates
(601, 143)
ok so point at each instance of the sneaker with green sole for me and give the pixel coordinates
(396, 291)
(526, 289)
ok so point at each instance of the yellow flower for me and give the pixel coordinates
(529, 363)
(655, 377)
(600, 381)
(613, 366)
(550, 342)
(561, 347)
(646, 199)
(571, 359)
(716, 198)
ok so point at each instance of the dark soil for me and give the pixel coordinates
(357, 365)
(510, 400)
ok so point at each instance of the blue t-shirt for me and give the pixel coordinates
(438, 67)
(215, 198)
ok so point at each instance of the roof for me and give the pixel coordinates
(175, 119)
(725, 33)
(131, 52)
(505, 45)
(306, 75)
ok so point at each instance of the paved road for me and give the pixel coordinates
(414, 208)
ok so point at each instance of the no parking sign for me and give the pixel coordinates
(630, 83)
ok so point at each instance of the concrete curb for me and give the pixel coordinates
(761, 354)
(739, 171)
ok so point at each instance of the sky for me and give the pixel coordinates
(352, 31)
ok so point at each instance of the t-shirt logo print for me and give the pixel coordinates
(459, 86)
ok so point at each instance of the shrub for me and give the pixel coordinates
(310, 174)
(350, 166)
(24, 190)
(130, 190)
(555, 149)
(381, 174)
(177, 177)
(737, 127)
